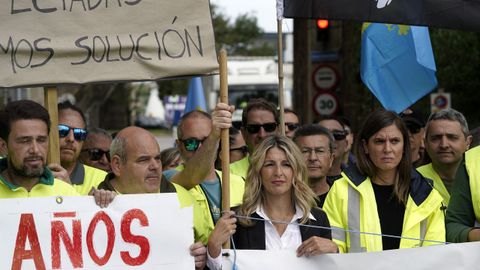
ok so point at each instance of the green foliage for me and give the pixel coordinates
(172, 87)
(239, 38)
(457, 56)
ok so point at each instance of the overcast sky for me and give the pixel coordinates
(264, 10)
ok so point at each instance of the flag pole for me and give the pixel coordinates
(281, 102)
(224, 139)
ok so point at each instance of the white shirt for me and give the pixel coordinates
(290, 239)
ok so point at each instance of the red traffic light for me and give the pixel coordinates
(322, 24)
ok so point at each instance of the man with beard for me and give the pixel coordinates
(24, 126)
(317, 146)
(72, 132)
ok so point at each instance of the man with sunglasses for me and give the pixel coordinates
(72, 132)
(292, 122)
(198, 140)
(96, 149)
(238, 148)
(259, 120)
(335, 126)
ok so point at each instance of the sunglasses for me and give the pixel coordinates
(80, 134)
(292, 126)
(192, 144)
(339, 135)
(96, 154)
(255, 128)
(244, 149)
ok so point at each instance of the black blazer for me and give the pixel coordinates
(253, 237)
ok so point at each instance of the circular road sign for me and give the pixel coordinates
(441, 102)
(325, 103)
(325, 77)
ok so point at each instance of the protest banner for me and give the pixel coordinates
(134, 232)
(82, 41)
(445, 257)
(456, 14)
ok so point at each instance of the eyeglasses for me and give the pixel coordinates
(255, 128)
(244, 149)
(80, 134)
(339, 135)
(292, 126)
(96, 154)
(192, 144)
(319, 152)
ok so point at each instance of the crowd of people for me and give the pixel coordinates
(404, 181)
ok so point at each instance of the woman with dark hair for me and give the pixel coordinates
(382, 194)
(279, 199)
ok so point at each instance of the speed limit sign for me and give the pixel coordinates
(325, 103)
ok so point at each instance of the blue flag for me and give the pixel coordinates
(397, 64)
(196, 97)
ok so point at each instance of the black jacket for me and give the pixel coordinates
(253, 237)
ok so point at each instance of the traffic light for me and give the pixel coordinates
(323, 31)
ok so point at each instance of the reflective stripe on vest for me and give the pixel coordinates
(354, 220)
(339, 234)
(354, 224)
(423, 231)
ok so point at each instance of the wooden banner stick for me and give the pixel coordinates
(50, 101)
(224, 138)
(281, 102)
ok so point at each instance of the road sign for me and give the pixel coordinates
(325, 103)
(440, 101)
(325, 77)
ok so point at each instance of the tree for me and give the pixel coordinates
(239, 37)
(457, 55)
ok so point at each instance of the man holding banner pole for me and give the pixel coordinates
(137, 169)
(198, 138)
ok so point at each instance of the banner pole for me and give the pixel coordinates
(50, 101)
(225, 147)
(281, 102)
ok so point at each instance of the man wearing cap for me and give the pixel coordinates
(447, 139)
(259, 120)
(72, 133)
(416, 132)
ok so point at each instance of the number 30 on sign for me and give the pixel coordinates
(325, 103)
